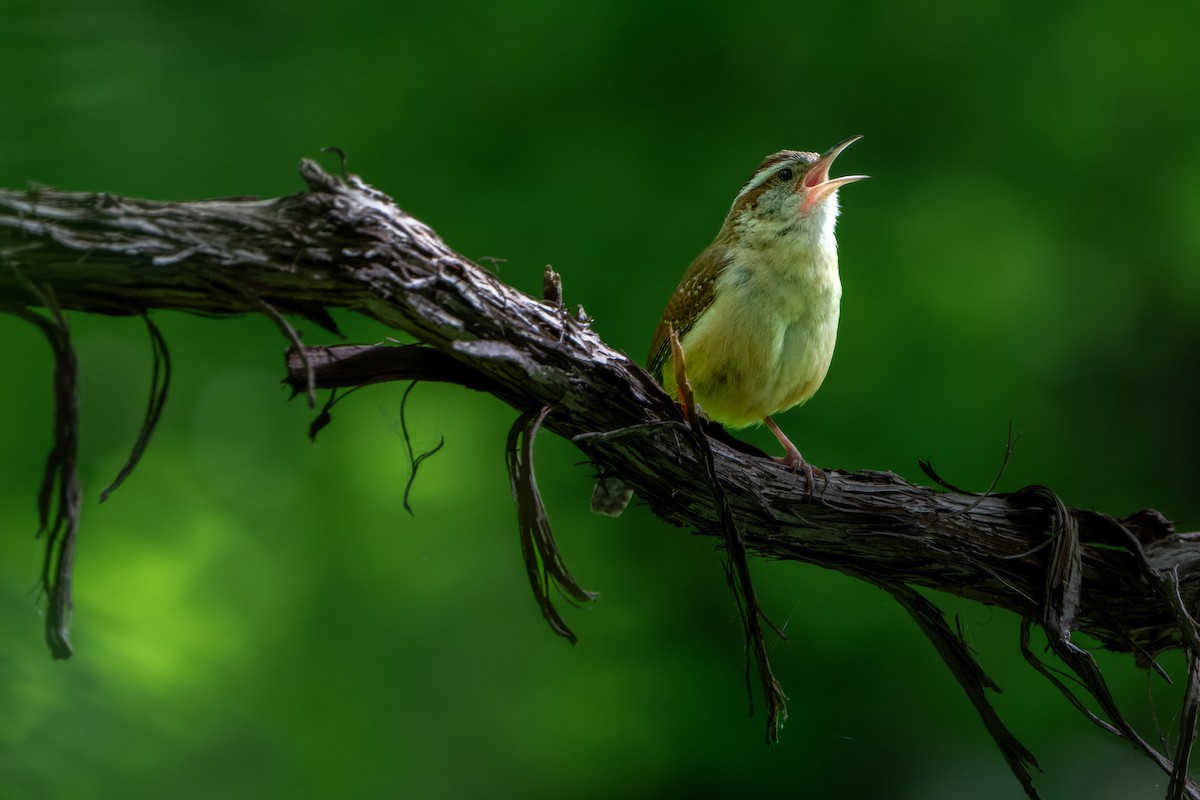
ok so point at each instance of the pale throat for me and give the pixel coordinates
(786, 248)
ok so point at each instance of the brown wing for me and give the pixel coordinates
(693, 295)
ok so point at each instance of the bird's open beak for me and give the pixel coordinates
(818, 185)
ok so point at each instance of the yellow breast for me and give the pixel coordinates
(765, 343)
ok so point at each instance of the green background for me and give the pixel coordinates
(257, 616)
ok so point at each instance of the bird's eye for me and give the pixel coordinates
(784, 175)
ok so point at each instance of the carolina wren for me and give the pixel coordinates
(757, 312)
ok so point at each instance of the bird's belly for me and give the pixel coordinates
(750, 355)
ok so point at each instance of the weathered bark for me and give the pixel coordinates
(344, 245)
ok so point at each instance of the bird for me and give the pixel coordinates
(756, 315)
(757, 312)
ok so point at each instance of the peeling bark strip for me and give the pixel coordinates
(60, 490)
(737, 568)
(1133, 584)
(543, 563)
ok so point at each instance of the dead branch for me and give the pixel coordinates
(1130, 583)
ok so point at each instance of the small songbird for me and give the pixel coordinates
(757, 312)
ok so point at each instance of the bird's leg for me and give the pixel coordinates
(793, 460)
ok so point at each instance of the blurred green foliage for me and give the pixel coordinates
(258, 617)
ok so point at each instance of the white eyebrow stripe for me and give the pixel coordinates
(762, 176)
